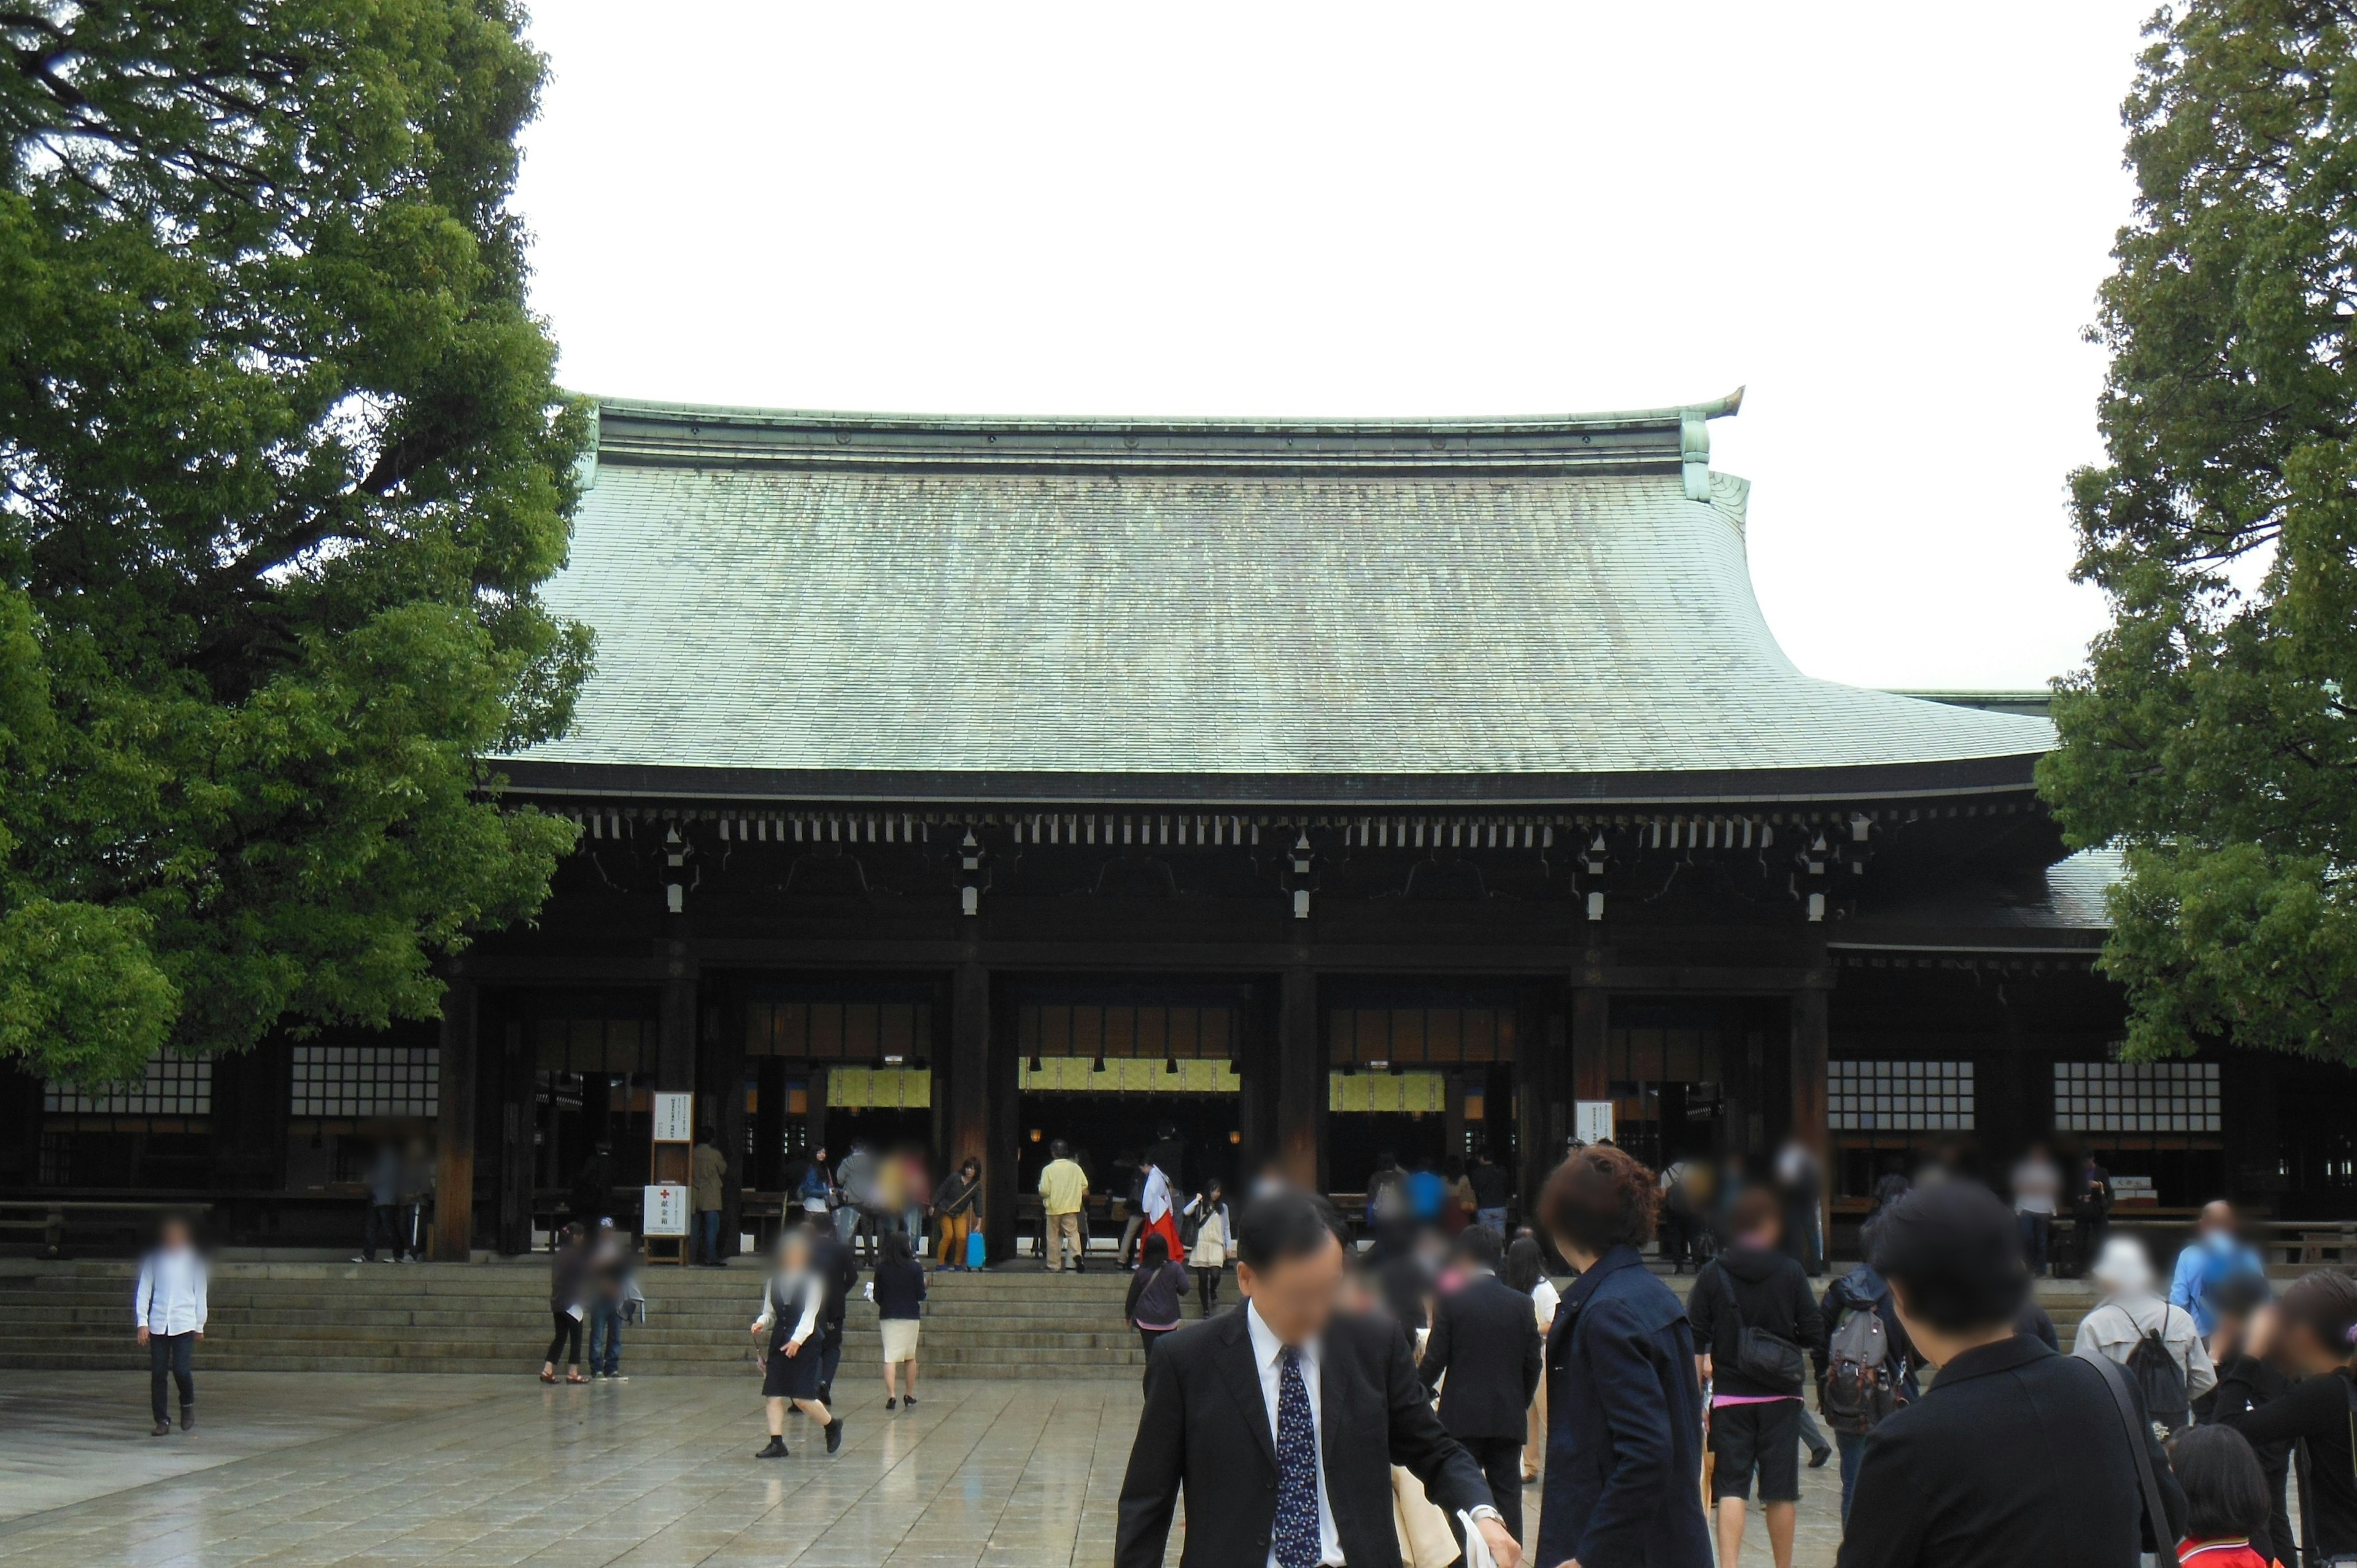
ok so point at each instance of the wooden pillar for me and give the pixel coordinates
(815, 1116)
(968, 1127)
(1809, 1116)
(676, 1025)
(454, 1148)
(1300, 1080)
(720, 1078)
(1592, 1021)
(1256, 1084)
(1540, 1074)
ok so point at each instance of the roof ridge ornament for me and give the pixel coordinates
(1694, 441)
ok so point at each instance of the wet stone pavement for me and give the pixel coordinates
(287, 1469)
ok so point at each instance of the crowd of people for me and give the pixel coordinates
(2167, 1428)
(1461, 1371)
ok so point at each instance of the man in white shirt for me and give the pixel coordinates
(2037, 1194)
(1281, 1423)
(170, 1306)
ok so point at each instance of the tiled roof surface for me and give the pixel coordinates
(1204, 622)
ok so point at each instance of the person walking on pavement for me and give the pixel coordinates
(899, 1292)
(1281, 1423)
(1754, 1321)
(837, 1268)
(1215, 1243)
(607, 1282)
(1879, 1389)
(708, 1181)
(954, 1202)
(568, 1276)
(2156, 1342)
(169, 1303)
(794, 1304)
(1484, 1356)
(1064, 1189)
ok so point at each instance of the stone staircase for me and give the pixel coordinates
(493, 1318)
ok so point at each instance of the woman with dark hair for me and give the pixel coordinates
(898, 1290)
(1525, 1270)
(954, 1205)
(2226, 1499)
(1155, 1290)
(2015, 1453)
(1624, 1429)
(2310, 1333)
(568, 1274)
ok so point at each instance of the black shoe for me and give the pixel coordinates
(163, 1429)
(891, 1404)
(776, 1450)
(909, 1403)
(1817, 1457)
(834, 1434)
(187, 1418)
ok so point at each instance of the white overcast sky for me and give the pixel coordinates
(1888, 221)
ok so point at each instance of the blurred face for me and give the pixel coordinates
(2217, 1221)
(793, 1252)
(1295, 1296)
(174, 1236)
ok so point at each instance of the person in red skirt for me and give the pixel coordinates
(1161, 1219)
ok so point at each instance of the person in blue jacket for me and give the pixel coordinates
(1624, 1408)
(2216, 1254)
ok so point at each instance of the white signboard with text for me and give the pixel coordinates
(1592, 1123)
(675, 1119)
(666, 1210)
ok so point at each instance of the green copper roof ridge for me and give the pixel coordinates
(1667, 417)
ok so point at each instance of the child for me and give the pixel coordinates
(2225, 1498)
(1215, 1243)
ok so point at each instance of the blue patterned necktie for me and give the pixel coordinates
(1297, 1468)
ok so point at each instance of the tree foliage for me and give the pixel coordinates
(282, 466)
(2212, 736)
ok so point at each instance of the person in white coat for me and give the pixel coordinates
(2132, 1308)
(169, 1303)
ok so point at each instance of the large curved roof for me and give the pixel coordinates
(1563, 602)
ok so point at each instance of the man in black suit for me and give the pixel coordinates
(1485, 1336)
(1281, 1423)
(2016, 1455)
(832, 1260)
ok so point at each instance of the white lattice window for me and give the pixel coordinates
(1900, 1097)
(366, 1080)
(2136, 1097)
(171, 1086)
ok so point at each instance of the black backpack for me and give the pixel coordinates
(1859, 1388)
(2160, 1380)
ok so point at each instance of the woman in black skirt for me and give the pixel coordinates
(566, 1272)
(791, 1305)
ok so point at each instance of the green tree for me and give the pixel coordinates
(281, 467)
(2212, 736)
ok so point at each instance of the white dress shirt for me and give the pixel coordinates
(781, 1289)
(171, 1294)
(1268, 1355)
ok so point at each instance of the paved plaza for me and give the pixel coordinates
(287, 1469)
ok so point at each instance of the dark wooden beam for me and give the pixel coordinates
(453, 1152)
(1301, 1079)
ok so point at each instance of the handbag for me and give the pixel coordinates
(1764, 1357)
